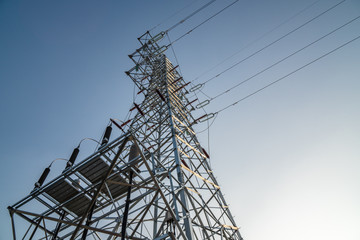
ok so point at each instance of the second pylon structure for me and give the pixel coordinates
(152, 182)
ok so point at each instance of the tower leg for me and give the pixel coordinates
(12, 222)
(58, 226)
(126, 211)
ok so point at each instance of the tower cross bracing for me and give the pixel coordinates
(152, 182)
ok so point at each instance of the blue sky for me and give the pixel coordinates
(287, 158)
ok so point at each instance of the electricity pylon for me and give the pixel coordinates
(152, 182)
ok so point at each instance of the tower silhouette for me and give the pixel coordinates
(152, 182)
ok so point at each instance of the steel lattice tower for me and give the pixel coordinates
(152, 182)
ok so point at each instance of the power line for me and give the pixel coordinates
(171, 16)
(189, 16)
(223, 9)
(283, 59)
(273, 42)
(287, 75)
(163, 33)
(208, 19)
(258, 39)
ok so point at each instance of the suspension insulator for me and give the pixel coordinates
(138, 108)
(41, 180)
(106, 135)
(181, 87)
(175, 81)
(189, 103)
(206, 154)
(184, 163)
(196, 120)
(141, 91)
(72, 157)
(160, 95)
(125, 123)
(116, 124)
(173, 69)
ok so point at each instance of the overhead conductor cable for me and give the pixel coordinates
(270, 44)
(258, 39)
(203, 22)
(287, 75)
(177, 12)
(189, 16)
(283, 59)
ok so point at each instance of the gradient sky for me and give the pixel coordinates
(287, 159)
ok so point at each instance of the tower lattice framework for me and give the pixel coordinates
(152, 182)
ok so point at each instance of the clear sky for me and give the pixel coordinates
(287, 159)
